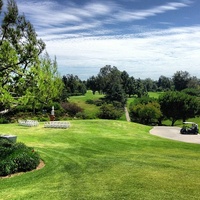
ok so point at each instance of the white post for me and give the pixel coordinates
(52, 111)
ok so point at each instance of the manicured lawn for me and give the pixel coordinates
(154, 94)
(90, 110)
(102, 159)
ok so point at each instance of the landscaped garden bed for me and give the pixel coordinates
(16, 157)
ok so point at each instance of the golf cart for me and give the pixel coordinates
(189, 128)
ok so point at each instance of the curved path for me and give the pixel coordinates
(127, 115)
(173, 133)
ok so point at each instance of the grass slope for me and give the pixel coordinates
(102, 159)
(90, 110)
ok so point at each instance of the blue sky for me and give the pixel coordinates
(146, 38)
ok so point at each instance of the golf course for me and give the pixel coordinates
(104, 159)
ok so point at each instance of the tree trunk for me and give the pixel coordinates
(173, 122)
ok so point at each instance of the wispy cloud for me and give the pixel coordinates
(81, 37)
(143, 14)
(50, 17)
(156, 53)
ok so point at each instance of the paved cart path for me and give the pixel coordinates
(127, 115)
(173, 133)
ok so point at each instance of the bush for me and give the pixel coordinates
(7, 167)
(145, 113)
(89, 101)
(4, 120)
(98, 102)
(192, 91)
(108, 111)
(71, 108)
(5, 148)
(16, 157)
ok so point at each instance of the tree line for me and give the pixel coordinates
(29, 80)
(179, 97)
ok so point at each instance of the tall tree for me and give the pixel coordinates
(107, 76)
(131, 86)
(194, 83)
(125, 81)
(19, 53)
(74, 85)
(45, 84)
(116, 93)
(92, 84)
(140, 88)
(164, 83)
(181, 80)
(150, 85)
(111, 83)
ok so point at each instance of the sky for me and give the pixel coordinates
(145, 38)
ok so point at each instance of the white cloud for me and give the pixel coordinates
(53, 18)
(124, 15)
(156, 53)
(71, 33)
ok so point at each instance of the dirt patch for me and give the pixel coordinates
(40, 166)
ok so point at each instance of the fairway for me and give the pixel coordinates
(104, 159)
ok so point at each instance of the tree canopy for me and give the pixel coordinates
(178, 105)
(19, 54)
(28, 77)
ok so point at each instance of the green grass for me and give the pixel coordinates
(180, 122)
(154, 94)
(102, 159)
(90, 109)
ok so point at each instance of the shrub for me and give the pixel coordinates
(5, 148)
(89, 101)
(81, 115)
(192, 91)
(108, 111)
(145, 113)
(7, 167)
(26, 161)
(16, 157)
(98, 102)
(4, 120)
(71, 108)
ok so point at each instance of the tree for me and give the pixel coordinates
(150, 85)
(92, 84)
(19, 54)
(178, 105)
(164, 83)
(131, 86)
(74, 85)
(115, 93)
(111, 83)
(194, 83)
(107, 76)
(140, 88)
(45, 84)
(125, 81)
(181, 80)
